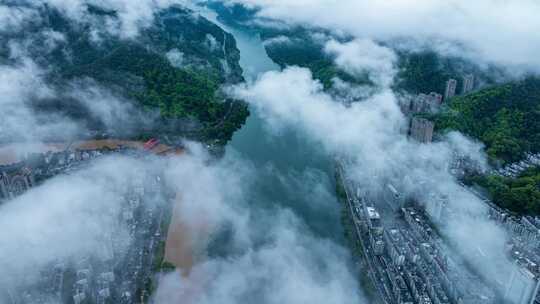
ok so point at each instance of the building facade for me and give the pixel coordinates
(428, 103)
(450, 90)
(394, 198)
(14, 181)
(468, 83)
(422, 130)
(523, 287)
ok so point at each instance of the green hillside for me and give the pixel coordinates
(300, 50)
(506, 118)
(141, 69)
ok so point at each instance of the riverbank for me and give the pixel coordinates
(16, 152)
(179, 245)
(291, 173)
(353, 243)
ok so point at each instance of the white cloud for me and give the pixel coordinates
(19, 84)
(362, 56)
(116, 113)
(369, 133)
(24, 90)
(303, 104)
(11, 19)
(132, 16)
(67, 218)
(488, 31)
(277, 40)
(273, 258)
(293, 268)
(176, 58)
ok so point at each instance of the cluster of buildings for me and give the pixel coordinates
(462, 164)
(524, 249)
(524, 283)
(18, 177)
(447, 273)
(90, 285)
(422, 103)
(514, 170)
(451, 86)
(123, 267)
(407, 261)
(421, 129)
(426, 103)
(14, 180)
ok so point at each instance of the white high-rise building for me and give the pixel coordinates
(422, 130)
(468, 83)
(393, 197)
(436, 207)
(522, 287)
(450, 91)
(429, 103)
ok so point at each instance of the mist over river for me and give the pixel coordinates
(280, 237)
(291, 171)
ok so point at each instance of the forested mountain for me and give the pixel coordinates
(427, 71)
(298, 48)
(520, 195)
(175, 65)
(234, 14)
(505, 117)
(287, 46)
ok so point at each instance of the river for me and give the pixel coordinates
(292, 172)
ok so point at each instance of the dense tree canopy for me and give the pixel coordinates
(307, 54)
(140, 69)
(521, 195)
(506, 118)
